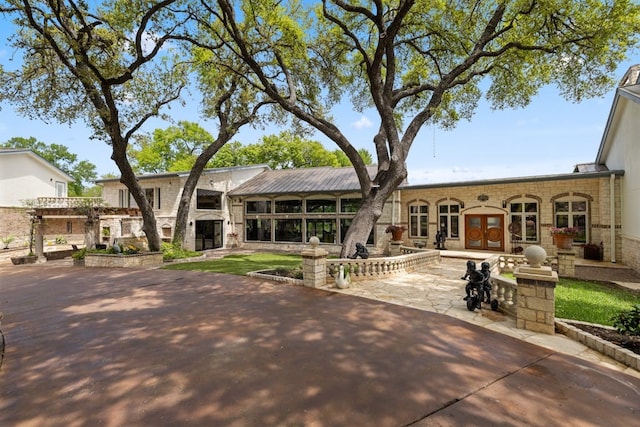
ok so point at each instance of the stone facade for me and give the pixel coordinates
(143, 260)
(536, 299)
(493, 198)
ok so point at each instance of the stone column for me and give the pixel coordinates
(394, 247)
(566, 263)
(536, 293)
(314, 265)
(39, 239)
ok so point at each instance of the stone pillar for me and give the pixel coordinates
(39, 239)
(536, 293)
(566, 263)
(394, 247)
(314, 265)
(89, 234)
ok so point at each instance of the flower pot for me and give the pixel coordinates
(396, 234)
(563, 241)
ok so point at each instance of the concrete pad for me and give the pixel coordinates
(128, 347)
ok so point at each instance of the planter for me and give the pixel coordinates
(145, 259)
(563, 241)
(27, 259)
(396, 235)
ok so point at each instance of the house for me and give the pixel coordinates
(620, 149)
(25, 176)
(210, 223)
(282, 209)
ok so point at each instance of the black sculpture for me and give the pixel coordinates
(440, 239)
(478, 289)
(485, 269)
(361, 252)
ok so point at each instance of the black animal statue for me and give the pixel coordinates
(361, 252)
(440, 239)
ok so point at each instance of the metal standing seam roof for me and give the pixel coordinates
(307, 180)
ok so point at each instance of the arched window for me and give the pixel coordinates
(523, 220)
(572, 212)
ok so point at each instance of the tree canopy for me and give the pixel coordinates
(418, 62)
(83, 172)
(176, 148)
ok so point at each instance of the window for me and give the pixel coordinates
(126, 228)
(321, 206)
(449, 220)
(258, 230)
(288, 206)
(61, 189)
(324, 229)
(258, 206)
(288, 230)
(149, 194)
(418, 220)
(208, 199)
(350, 205)
(572, 213)
(524, 221)
(69, 227)
(124, 201)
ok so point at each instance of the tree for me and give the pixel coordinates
(113, 66)
(83, 172)
(418, 62)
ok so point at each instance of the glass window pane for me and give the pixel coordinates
(320, 206)
(424, 226)
(350, 205)
(454, 209)
(323, 229)
(531, 207)
(531, 230)
(579, 206)
(516, 207)
(444, 208)
(288, 230)
(454, 226)
(562, 206)
(258, 206)
(562, 221)
(288, 206)
(258, 230)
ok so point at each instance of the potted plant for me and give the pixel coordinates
(563, 236)
(396, 231)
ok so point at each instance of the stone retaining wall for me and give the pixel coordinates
(146, 259)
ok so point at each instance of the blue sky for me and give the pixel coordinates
(550, 136)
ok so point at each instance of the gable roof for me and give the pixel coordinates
(6, 152)
(305, 180)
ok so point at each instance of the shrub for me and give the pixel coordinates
(628, 322)
(79, 254)
(171, 251)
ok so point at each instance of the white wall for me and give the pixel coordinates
(23, 176)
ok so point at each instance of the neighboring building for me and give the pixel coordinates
(282, 209)
(210, 224)
(25, 177)
(620, 149)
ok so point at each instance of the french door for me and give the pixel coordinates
(484, 232)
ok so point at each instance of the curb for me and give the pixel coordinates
(622, 355)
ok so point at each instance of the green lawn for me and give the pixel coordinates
(242, 264)
(592, 302)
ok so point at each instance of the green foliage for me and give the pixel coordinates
(79, 254)
(171, 251)
(82, 172)
(591, 302)
(6, 241)
(242, 264)
(628, 322)
(60, 240)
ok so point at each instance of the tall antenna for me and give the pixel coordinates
(434, 142)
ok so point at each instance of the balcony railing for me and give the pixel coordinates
(68, 202)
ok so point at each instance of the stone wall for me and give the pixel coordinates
(15, 222)
(146, 260)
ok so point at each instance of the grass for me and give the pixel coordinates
(242, 264)
(590, 301)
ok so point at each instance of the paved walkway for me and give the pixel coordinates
(132, 347)
(441, 291)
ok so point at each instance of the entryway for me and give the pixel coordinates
(484, 232)
(208, 234)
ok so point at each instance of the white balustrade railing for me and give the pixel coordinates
(373, 268)
(68, 202)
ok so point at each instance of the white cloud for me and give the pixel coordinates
(362, 123)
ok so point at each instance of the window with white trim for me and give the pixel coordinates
(449, 219)
(572, 213)
(523, 221)
(418, 220)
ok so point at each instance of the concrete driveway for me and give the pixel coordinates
(115, 347)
